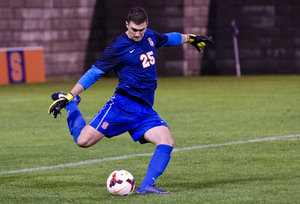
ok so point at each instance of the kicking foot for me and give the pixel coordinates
(151, 190)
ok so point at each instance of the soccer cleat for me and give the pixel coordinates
(151, 190)
(59, 95)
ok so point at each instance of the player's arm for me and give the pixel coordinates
(88, 79)
(77, 89)
(198, 42)
(106, 62)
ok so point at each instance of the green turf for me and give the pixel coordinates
(200, 111)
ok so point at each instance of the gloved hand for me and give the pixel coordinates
(200, 41)
(59, 104)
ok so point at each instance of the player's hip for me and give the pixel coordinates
(121, 111)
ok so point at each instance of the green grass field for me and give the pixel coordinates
(208, 116)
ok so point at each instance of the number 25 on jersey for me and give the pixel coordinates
(147, 59)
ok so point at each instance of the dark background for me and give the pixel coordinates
(74, 33)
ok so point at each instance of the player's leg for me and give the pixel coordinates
(83, 135)
(75, 120)
(109, 121)
(89, 136)
(161, 137)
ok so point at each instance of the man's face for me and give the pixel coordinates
(136, 32)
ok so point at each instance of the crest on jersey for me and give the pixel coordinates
(105, 125)
(150, 41)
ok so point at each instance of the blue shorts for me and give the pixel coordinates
(121, 114)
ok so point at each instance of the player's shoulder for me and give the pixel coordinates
(120, 42)
(116, 40)
(159, 38)
(155, 34)
(152, 32)
(113, 48)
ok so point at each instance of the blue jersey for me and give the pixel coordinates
(134, 64)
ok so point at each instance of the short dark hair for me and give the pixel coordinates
(137, 15)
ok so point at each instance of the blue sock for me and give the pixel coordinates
(157, 165)
(75, 120)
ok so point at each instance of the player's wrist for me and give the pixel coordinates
(185, 38)
(191, 37)
(69, 96)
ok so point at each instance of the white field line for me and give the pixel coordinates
(147, 154)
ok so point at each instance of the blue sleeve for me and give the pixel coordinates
(174, 39)
(109, 59)
(90, 77)
(168, 39)
(160, 39)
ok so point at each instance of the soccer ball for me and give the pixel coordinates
(120, 182)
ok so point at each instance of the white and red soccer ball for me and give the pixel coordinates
(120, 182)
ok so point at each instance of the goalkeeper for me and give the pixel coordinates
(132, 57)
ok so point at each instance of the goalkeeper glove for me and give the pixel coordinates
(199, 41)
(59, 104)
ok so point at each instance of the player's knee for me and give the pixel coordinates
(166, 141)
(160, 135)
(83, 142)
(171, 142)
(84, 138)
(88, 138)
